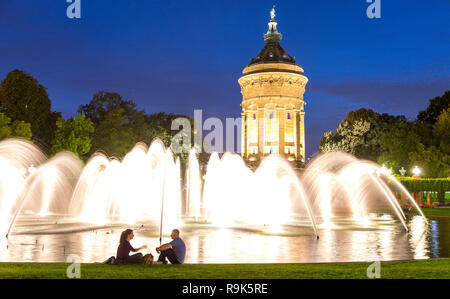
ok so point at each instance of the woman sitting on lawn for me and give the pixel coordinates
(123, 252)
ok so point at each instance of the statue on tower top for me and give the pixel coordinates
(272, 13)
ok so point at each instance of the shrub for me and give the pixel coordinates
(427, 185)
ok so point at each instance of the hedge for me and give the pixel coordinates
(427, 185)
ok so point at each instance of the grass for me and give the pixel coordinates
(433, 268)
(433, 212)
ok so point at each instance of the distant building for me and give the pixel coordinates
(273, 116)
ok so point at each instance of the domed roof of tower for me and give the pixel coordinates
(272, 52)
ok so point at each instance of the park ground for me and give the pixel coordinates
(434, 212)
(425, 269)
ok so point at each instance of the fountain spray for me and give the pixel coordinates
(162, 199)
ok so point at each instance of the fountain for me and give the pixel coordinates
(336, 191)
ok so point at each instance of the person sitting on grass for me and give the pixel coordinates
(123, 251)
(175, 251)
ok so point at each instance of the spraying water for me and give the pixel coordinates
(145, 187)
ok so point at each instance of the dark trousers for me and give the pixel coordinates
(170, 255)
(135, 259)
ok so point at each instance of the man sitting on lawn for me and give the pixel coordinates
(175, 251)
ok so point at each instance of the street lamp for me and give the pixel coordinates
(416, 171)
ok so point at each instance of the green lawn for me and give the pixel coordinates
(433, 211)
(435, 268)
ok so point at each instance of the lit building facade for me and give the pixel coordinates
(273, 116)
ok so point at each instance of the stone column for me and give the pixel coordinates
(297, 135)
(302, 134)
(260, 116)
(281, 129)
(294, 119)
(244, 147)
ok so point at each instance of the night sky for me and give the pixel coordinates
(177, 55)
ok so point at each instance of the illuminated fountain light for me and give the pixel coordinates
(266, 198)
(48, 188)
(32, 183)
(353, 179)
(53, 184)
(358, 186)
(172, 194)
(194, 186)
(16, 157)
(225, 187)
(136, 189)
(325, 198)
(212, 184)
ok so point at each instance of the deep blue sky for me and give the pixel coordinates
(177, 55)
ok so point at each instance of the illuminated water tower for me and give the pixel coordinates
(273, 116)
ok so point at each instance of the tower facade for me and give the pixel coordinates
(273, 116)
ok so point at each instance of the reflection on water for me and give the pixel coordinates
(434, 229)
(417, 240)
(205, 244)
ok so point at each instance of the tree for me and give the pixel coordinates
(164, 121)
(396, 142)
(428, 146)
(5, 129)
(360, 134)
(401, 140)
(113, 134)
(73, 135)
(162, 134)
(434, 109)
(115, 118)
(109, 111)
(103, 103)
(22, 98)
(441, 131)
(434, 156)
(433, 162)
(16, 129)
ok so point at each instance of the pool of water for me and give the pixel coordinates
(45, 240)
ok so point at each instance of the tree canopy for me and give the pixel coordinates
(434, 109)
(396, 142)
(14, 129)
(119, 125)
(22, 98)
(73, 135)
(360, 134)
